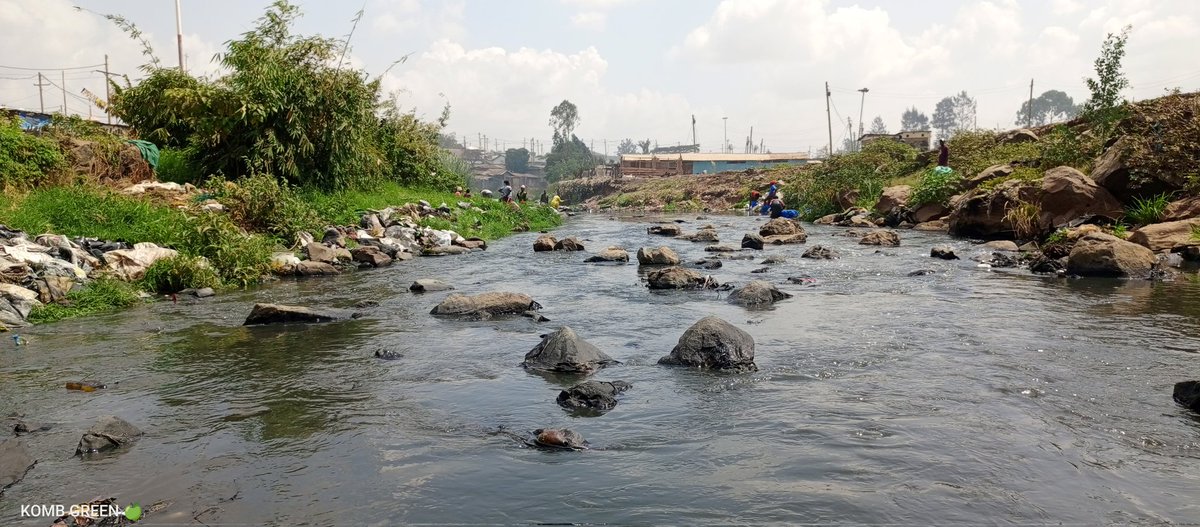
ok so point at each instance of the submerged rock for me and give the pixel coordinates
(564, 351)
(544, 243)
(660, 256)
(429, 285)
(708, 235)
(757, 293)
(679, 278)
(714, 344)
(611, 254)
(595, 396)
(15, 461)
(752, 241)
(1187, 393)
(388, 355)
(881, 237)
(109, 432)
(945, 253)
(922, 272)
(282, 314)
(485, 305)
(820, 252)
(559, 438)
(665, 230)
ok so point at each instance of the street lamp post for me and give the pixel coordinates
(725, 145)
(179, 33)
(860, 115)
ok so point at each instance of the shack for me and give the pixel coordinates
(703, 163)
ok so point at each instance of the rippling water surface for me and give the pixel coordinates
(966, 396)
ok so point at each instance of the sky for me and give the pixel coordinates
(642, 68)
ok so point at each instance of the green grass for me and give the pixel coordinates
(175, 165)
(1018, 173)
(93, 212)
(1144, 211)
(172, 275)
(102, 295)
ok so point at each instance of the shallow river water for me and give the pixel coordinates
(968, 396)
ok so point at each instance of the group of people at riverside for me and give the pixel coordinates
(522, 197)
(772, 204)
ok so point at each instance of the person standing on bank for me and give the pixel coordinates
(506, 192)
(943, 154)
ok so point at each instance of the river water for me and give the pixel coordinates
(968, 396)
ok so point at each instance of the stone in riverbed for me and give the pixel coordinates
(757, 293)
(109, 432)
(713, 344)
(559, 438)
(282, 314)
(544, 243)
(1101, 254)
(485, 305)
(429, 285)
(708, 235)
(1002, 245)
(1187, 393)
(444, 250)
(568, 244)
(820, 252)
(721, 249)
(370, 256)
(592, 396)
(881, 237)
(563, 351)
(611, 254)
(679, 278)
(15, 461)
(665, 230)
(752, 241)
(944, 253)
(660, 256)
(786, 239)
(311, 268)
(780, 227)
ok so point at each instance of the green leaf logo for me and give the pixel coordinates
(133, 512)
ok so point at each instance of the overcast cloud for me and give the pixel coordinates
(642, 68)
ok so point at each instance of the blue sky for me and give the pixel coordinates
(640, 69)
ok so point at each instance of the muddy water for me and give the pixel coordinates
(966, 396)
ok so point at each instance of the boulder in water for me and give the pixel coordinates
(713, 344)
(592, 396)
(1100, 254)
(820, 252)
(544, 243)
(752, 241)
(1002, 245)
(679, 278)
(311, 268)
(665, 230)
(708, 235)
(757, 293)
(780, 227)
(370, 256)
(109, 432)
(660, 256)
(881, 237)
(1187, 393)
(786, 239)
(282, 314)
(611, 254)
(485, 305)
(564, 438)
(945, 253)
(563, 351)
(568, 244)
(429, 285)
(15, 461)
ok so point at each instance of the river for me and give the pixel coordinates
(968, 396)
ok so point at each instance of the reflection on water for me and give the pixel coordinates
(964, 394)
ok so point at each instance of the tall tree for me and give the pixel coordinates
(569, 159)
(627, 146)
(954, 114)
(644, 145)
(1110, 80)
(563, 119)
(913, 119)
(1051, 106)
(878, 126)
(516, 160)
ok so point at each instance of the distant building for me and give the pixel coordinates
(702, 163)
(685, 149)
(918, 139)
(494, 180)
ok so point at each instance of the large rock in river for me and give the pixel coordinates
(1187, 393)
(15, 461)
(594, 396)
(780, 227)
(109, 432)
(757, 293)
(429, 285)
(484, 305)
(1167, 236)
(564, 351)
(568, 244)
(611, 254)
(713, 344)
(679, 278)
(881, 237)
(665, 230)
(544, 243)
(752, 241)
(1101, 254)
(281, 314)
(660, 256)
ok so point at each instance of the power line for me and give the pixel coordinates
(51, 69)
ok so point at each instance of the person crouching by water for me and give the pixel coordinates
(522, 195)
(753, 205)
(506, 192)
(776, 206)
(555, 202)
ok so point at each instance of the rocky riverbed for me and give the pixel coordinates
(879, 384)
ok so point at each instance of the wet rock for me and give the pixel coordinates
(776, 259)
(786, 239)
(611, 254)
(485, 305)
(665, 230)
(449, 250)
(820, 252)
(535, 316)
(1104, 255)
(429, 285)
(1044, 264)
(881, 237)
(370, 256)
(334, 238)
(593, 396)
(679, 278)
(283, 314)
(708, 264)
(752, 241)
(760, 270)
(802, 280)
(544, 243)
(559, 438)
(757, 293)
(713, 344)
(945, 253)
(311, 268)
(319, 252)
(932, 226)
(721, 249)
(1002, 245)
(660, 256)
(1001, 260)
(385, 354)
(474, 244)
(15, 461)
(204, 292)
(1169, 236)
(1187, 393)
(109, 432)
(922, 272)
(568, 244)
(708, 235)
(780, 227)
(564, 351)
(929, 212)
(827, 219)
(366, 304)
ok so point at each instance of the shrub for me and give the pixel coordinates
(172, 275)
(1145, 211)
(813, 189)
(176, 165)
(101, 295)
(1063, 147)
(260, 203)
(936, 186)
(239, 258)
(26, 160)
(1024, 220)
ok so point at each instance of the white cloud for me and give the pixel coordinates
(590, 20)
(596, 4)
(1065, 7)
(443, 20)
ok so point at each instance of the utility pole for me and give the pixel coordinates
(828, 119)
(850, 132)
(41, 97)
(750, 142)
(861, 103)
(64, 90)
(1029, 109)
(179, 33)
(725, 143)
(606, 150)
(107, 90)
(694, 129)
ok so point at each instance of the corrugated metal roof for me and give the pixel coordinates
(702, 157)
